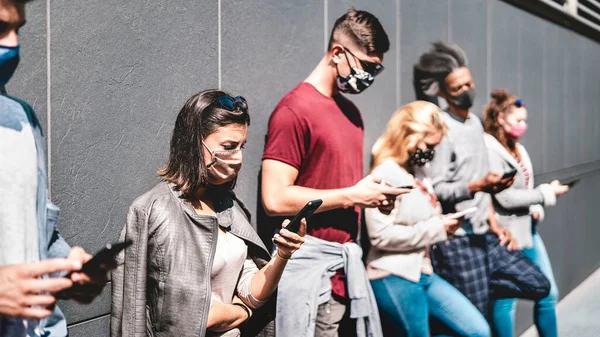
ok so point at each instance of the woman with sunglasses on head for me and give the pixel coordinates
(520, 207)
(196, 266)
(407, 291)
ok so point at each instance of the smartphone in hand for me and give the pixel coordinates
(572, 183)
(106, 256)
(509, 174)
(460, 214)
(306, 212)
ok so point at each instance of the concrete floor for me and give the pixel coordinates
(579, 311)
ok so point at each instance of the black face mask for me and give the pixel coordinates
(463, 101)
(420, 157)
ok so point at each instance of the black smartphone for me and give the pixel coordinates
(509, 174)
(409, 187)
(305, 212)
(572, 182)
(106, 255)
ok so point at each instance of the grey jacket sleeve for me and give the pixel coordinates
(442, 169)
(128, 315)
(516, 198)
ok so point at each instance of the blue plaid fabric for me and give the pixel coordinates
(483, 270)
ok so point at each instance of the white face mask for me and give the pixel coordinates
(224, 166)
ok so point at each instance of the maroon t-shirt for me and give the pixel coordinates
(322, 137)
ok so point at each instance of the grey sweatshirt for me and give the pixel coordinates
(460, 158)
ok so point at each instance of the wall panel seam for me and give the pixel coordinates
(398, 56)
(219, 43)
(488, 47)
(325, 21)
(48, 101)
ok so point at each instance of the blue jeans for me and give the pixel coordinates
(405, 307)
(545, 309)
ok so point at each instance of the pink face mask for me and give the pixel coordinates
(517, 131)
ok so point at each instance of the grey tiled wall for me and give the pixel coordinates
(119, 71)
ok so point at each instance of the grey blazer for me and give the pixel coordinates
(515, 204)
(162, 285)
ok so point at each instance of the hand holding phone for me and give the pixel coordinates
(559, 189)
(104, 260)
(89, 281)
(461, 214)
(509, 174)
(572, 182)
(305, 213)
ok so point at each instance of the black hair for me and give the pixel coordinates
(200, 116)
(434, 66)
(363, 29)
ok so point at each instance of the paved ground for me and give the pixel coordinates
(579, 311)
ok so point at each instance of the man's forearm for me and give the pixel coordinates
(289, 200)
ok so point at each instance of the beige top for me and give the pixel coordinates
(400, 240)
(232, 273)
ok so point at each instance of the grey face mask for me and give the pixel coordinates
(224, 166)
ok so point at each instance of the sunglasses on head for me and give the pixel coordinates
(518, 103)
(370, 67)
(232, 103)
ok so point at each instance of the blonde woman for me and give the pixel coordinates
(407, 291)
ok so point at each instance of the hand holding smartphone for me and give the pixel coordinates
(572, 182)
(97, 265)
(509, 174)
(306, 212)
(461, 214)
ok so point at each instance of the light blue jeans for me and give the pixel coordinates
(545, 309)
(405, 307)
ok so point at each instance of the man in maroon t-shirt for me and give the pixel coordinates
(314, 150)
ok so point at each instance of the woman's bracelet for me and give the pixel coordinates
(281, 257)
(246, 309)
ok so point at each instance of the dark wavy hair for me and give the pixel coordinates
(434, 66)
(200, 116)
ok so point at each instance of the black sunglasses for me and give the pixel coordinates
(370, 67)
(232, 103)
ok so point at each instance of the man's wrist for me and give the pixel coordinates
(347, 197)
(474, 187)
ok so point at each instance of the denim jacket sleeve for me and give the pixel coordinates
(57, 246)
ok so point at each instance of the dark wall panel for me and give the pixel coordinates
(590, 101)
(505, 46)
(380, 101)
(572, 113)
(267, 49)
(468, 29)
(98, 327)
(554, 86)
(119, 79)
(421, 23)
(531, 86)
